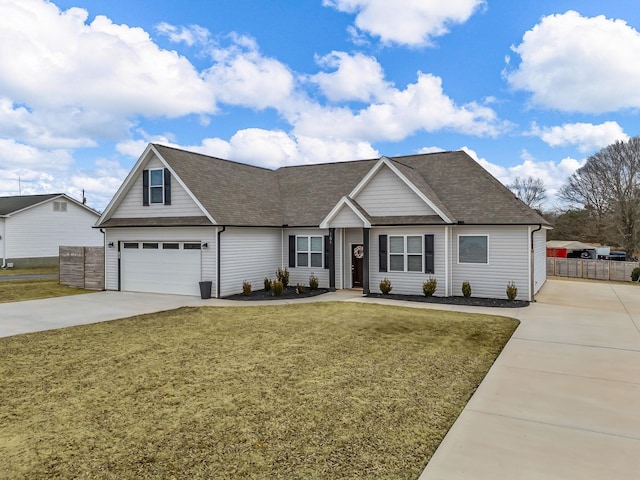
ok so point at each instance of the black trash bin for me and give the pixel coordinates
(205, 290)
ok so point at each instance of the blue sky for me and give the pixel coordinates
(526, 88)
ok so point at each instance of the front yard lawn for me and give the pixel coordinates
(313, 391)
(34, 289)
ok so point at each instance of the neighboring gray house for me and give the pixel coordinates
(182, 217)
(32, 228)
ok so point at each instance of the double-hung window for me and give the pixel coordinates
(156, 185)
(405, 253)
(309, 251)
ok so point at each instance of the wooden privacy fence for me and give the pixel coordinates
(595, 269)
(82, 267)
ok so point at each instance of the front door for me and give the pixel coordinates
(357, 255)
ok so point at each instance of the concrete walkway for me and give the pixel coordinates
(562, 401)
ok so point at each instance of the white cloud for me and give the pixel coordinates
(357, 77)
(267, 148)
(407, 22)
(553, 174)
(242, 76)
(191, 35)
(422, 106)
(586, 136)
(579, 64)
(58, 49)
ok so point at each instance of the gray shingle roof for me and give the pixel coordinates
(9, 205)
(244, 195)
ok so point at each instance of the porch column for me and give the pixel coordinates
(365, 262)
(332, 258)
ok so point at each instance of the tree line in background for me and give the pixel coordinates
(602, 199)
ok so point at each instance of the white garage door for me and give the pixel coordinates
(161, 267)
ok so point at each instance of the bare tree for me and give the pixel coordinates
(609, 185)
(530, 190)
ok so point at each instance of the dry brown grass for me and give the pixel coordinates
(34, 289)
(314, 391)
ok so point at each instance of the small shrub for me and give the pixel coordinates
(267, 284)
(283, 276)
(277, 287)
(635, 274)
(512, 291)
(466, 289)
(313, 282)
(299, 288)
(385, 286)
(246, 289)
(429, 287)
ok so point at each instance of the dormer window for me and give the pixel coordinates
(156, 187)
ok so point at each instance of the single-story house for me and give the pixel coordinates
(181, 217)
(33, 227)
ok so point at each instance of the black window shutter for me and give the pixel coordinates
(145, 188)
(292, 251)
(429, 266)
(167, 187)
(382, 252)
(326, 251)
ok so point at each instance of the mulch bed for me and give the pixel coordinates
(288, 293)
(469, 301)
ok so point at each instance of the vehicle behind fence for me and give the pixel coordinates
(595, 269)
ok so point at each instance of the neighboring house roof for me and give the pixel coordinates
(17, 203)
(9, 205)
(237, 194)
(569, 245)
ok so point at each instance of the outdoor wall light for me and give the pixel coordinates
(110, 244)
(205, 245)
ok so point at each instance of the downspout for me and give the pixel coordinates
(533, 264)
(104, 242)
(4, 244)
(218, 248)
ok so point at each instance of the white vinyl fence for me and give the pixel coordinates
(595, 269)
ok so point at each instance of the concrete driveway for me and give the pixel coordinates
(59, 312)
(563, 399)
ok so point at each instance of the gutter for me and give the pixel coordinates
(218, 261)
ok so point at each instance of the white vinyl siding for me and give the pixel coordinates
(540, 259)
(508, 261)
(40, 231)
(248, 254)
(346, 218)
(387, 195)
(186, 234)
(182, 205)
(408, 283)
(301, 274)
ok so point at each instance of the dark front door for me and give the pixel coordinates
(357, 255)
